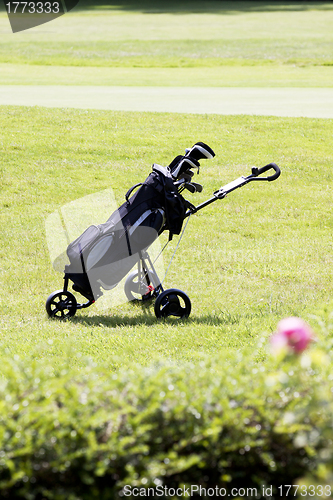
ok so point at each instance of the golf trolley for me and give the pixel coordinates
(104, 254)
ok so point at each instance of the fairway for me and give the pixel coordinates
(225, 58)
(228, 75)
(293, 102)
(222, 44)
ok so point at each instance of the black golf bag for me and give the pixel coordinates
(105, 253)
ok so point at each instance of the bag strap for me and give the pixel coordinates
(129, 192)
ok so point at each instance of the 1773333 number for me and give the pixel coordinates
(33, 7)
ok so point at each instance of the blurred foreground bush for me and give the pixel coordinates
(232, 422)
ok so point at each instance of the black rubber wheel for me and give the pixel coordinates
(61, 305)
(172, 302)
(139, 290)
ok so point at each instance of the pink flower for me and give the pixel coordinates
(279, 342)
(293, 334)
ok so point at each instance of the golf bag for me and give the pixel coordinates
(105, 253)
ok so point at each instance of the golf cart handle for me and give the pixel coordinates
(237, 183)
(256, 172)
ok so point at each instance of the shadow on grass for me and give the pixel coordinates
(227, 7)
(147, 317)
(198, 6)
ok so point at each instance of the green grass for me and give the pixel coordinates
(263, 253)
(218, 44)
(267, 75)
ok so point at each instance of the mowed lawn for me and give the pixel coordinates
(263, 253)
(225, 43)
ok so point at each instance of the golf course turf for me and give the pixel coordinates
(88, 103)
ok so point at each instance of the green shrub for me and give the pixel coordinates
(232, 422)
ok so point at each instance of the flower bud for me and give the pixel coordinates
(292, 333)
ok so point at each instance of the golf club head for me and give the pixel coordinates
(198, 187)
(182, 164)
(200, 151)
(186, 176)
(189, 186)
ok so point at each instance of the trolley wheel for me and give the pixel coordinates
(139, 290)
(172, 302)
(61, 305)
